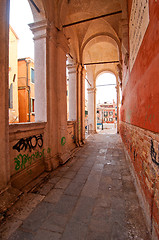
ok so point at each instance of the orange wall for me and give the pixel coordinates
(23, 94)
(141, 95)
(139, 113)
(23, 105)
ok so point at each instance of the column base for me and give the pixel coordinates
(64, 157)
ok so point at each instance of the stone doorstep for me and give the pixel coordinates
(7, 198)
(10, 195)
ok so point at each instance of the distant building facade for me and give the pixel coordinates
(106, 113)
(13, 77)
(26, 90)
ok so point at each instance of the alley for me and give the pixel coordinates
(91, 197)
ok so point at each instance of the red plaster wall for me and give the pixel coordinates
(141, 94)
(139, 126)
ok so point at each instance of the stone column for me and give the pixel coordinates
(92, 110)
(62, 49)
(83, 75)
(39, 30)
(72, 92)
(51, 132)
(4, 120)
(118, 109)
(78, 139)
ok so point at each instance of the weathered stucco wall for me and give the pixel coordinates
(139, 126)
(27, 152)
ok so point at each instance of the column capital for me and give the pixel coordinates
(91, 90)
(39, 29)
(72, 68)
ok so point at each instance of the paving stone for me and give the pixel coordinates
(54, 195)
(43, 234)
(99, 225)
(38, 216)
(75, 231)
(21, 235)
(80, 178)
(84, 170)
(46, 189)
(70, 174)
(102, 213)
(98, 236)
(65, 205)
(54, 179)
(74, 189)
(63, 183)
(55, 223)
(83, 210)
(91, 186)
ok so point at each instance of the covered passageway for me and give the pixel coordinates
(79, 40)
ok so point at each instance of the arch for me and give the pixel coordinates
(38, 15)
(107, 70)
(98, 35)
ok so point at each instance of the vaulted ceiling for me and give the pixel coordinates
(93, 41)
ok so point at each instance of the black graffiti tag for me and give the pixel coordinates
(153, 153)
(30, 142)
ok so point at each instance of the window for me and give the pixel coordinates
(110, 119)
(32, 75)
(11, 96)
(111, 113)
(105, 114)
(32, 105)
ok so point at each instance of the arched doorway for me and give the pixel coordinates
(106, 102)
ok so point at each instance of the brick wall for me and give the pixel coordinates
(142, 148)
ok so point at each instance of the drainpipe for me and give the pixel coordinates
(27, 85)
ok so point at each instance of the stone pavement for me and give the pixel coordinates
(91, 197)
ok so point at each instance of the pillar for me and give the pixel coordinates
(83, 76)
(72, 92)
(4, 116)
(92, 110)
(118, 107)
(62, 50)
(78, 103)
(51, 132)
(39, 30)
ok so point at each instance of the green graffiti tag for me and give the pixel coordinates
(22, 160)
(63, 141)
(48, 150)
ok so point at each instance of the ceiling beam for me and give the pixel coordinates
(94, 63)
(90, 19)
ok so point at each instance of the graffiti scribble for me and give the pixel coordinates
(30, 142)
(22, 160)
(153, 153)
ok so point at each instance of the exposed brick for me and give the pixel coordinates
(138, 143)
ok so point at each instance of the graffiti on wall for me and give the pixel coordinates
(63, 141)
(153, 154)
(29, 143)
(25, 159)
